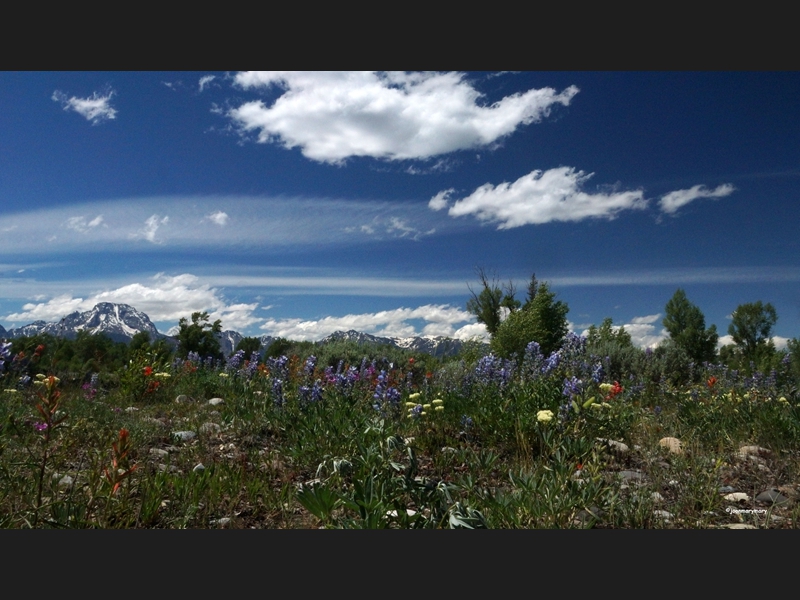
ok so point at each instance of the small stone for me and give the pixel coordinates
(738, 526)
(672, 444)
(657, 498)
(736, 497)
(222, 522)
(184, 436)
(169, 468)
(667, 516)
(615, 446)
(199, 468)
(631, 475)
(449, 450)
(131, 409)
(64, 481)
(158, 452)
(210, 428)
(182, 399)
(753, 451)
(772, 497)
(216, 401)
(726, 489)
(153, 421)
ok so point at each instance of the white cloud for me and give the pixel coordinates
(204, 81)
(162, 298)
(81, 225)
(670, 203)
(219, 218)
(440, 200)
(643, 331)
(332, 116)
(540, 197)
(151, 226)
(95, 109)
(260, 222)
(780, 342)
(438, 319)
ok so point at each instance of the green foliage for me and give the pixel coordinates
(249, 345)
(607, 333)
(542, 319)
(199, 336)
(751, 329)
(687, 328)
(488, 304)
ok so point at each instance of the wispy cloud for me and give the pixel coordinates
(332, 116)
(150, 228)
(81, 224)
(539, 197)
(218, 218)
(200, 222)
(681, 276)
(670, 203)
(438, 319)
(205, 81)
(95, 109)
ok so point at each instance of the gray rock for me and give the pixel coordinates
(216, 401)
(184, 436)
(726, 489)
(210, 428)
(631, 475)
(738, 526)
(182, 399)
(220, 522)
(158, 452)
(199, 468)
(772, 497)
(615, 446)
(663, 514)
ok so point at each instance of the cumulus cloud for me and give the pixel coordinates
(670, 203)
(643, 331)
(540, 197)
(439, 320)
(332, 116)
(162, 298)
(95, 109)
(204, 81)
(218, 218)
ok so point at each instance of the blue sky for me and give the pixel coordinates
(298, 204)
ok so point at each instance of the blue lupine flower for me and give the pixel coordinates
(572, 387)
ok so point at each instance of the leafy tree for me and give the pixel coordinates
(542, 319)
(199, 336)
(607, 334)
(488, 305)
(249, 345)
(687, 328)
(751, 330)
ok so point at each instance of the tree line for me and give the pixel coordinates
(512, 325)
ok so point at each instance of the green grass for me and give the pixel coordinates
(484, 461)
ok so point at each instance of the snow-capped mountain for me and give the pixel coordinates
(436, 346)
(120, 322)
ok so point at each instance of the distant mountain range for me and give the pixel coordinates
(121, 322)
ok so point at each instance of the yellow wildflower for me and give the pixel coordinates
(543, 416)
